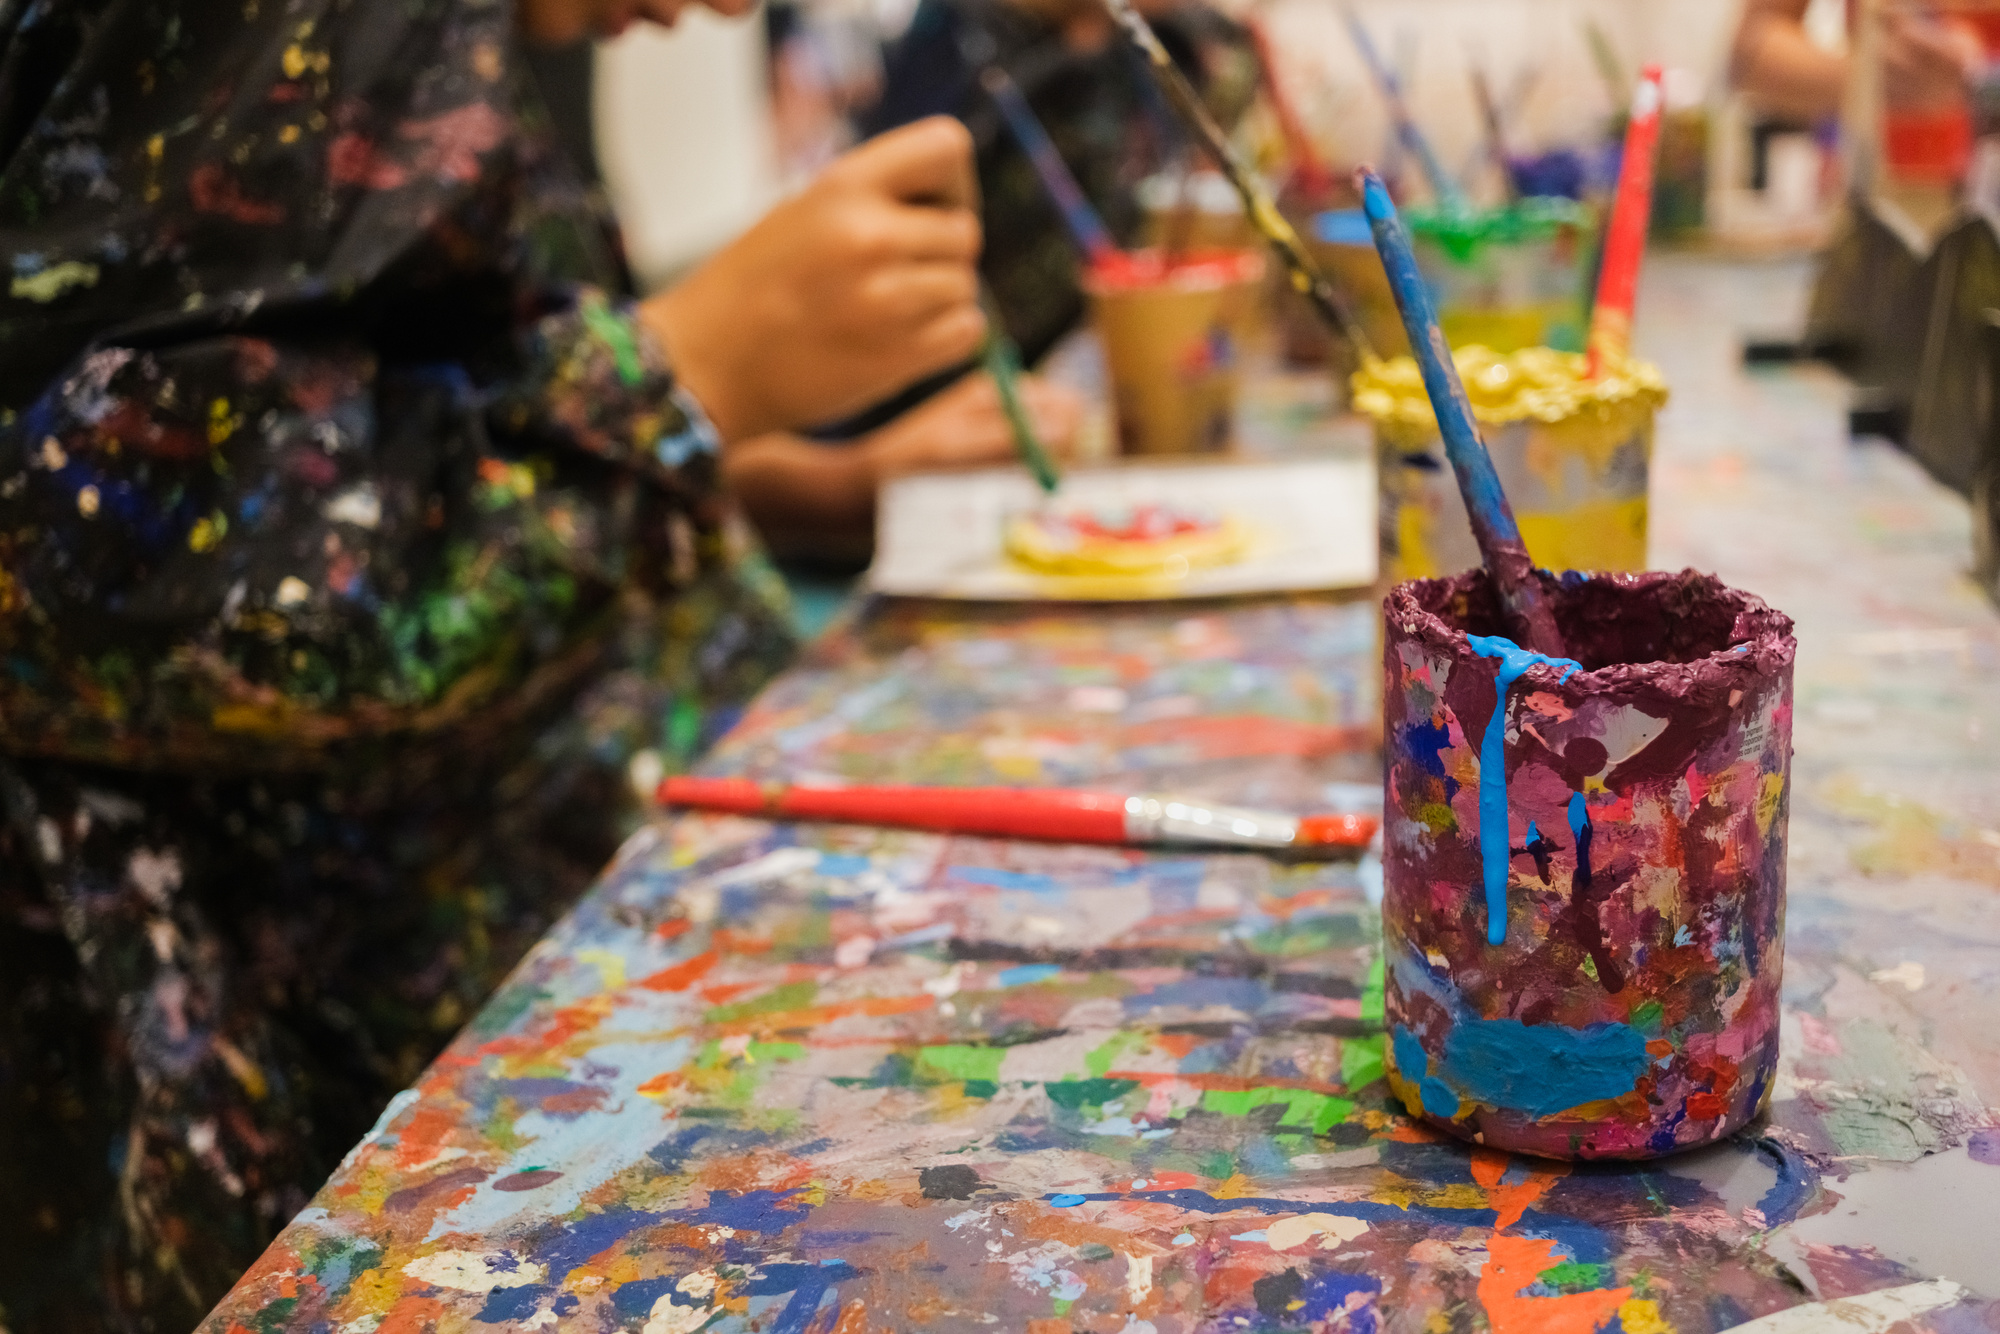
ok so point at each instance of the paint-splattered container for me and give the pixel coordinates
(1173, 330)
(1584, 870)
(1511, 277)
(1574, 455)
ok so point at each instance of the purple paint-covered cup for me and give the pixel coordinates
(1584, 884)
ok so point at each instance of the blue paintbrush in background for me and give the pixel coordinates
(1413, 140)
(1085, 227)
(1532, 625)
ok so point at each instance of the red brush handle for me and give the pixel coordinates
(1310, 175)
(1625, 239)
(1000, 812)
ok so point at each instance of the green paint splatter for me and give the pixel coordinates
(959, 1062)
(1646, 1018)
(1099, 1061)
(1303, 1107)
(1077, 1093)
(1360, 1061)
(1570, 1276)
(615, 334)
(1372, 1005)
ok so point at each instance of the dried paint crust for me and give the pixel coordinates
(1632, 1009)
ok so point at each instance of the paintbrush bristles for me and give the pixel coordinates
(1501, 548)
(1307, 277)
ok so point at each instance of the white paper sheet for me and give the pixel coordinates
(1311, 525)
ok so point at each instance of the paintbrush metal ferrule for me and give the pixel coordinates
(1166, 819)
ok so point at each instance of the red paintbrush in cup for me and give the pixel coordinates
(1625, 238)
(1056, 814)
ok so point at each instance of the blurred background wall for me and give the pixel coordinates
(681, 193)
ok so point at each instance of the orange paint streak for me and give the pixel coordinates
(1489, 1169)
(1409, 1132)
(1284, 908)
(424, 1134)
(853, 1319)
(568, 1022)
(412, 1315)
(1514, 1263)
(724, 992)
(681, 976)
(874, 1006)
(736, 942)
(673, 928)
(661, 1083)
(1178, 1045)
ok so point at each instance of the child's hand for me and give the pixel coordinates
(859, 285)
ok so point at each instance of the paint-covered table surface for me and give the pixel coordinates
(808, 1078)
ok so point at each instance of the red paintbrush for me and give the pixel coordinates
(1056, 814)
(1625, 238)
(1310, 177)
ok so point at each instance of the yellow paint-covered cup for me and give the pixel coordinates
(1573, 453)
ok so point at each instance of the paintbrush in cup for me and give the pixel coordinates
(1625, 238)
(1496, 133)
(1412, 137)
(1308, 279)
(1530, 622)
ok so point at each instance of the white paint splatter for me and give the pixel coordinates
(1908, 973)
(475, 1271)
(1871, 1313)
(1334, 1231)
(667, 1318)
(1138, 1278)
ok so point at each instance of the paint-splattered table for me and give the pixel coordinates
(826, 1079)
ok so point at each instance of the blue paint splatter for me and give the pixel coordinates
(994, 878)
(1495, 847)
(1027, 974)
(1066, 1201)
(1326, 1296)
(1414, 1064)
(1541, 1069)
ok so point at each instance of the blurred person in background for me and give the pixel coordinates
(1099, 104)
(363, 561)
(1928, 60)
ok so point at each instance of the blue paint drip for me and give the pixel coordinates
(1495, 847)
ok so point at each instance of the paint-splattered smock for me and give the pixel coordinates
(353, 542)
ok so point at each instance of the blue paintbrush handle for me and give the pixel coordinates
(1414, 142)
(1499, 536)
(1085, 227)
